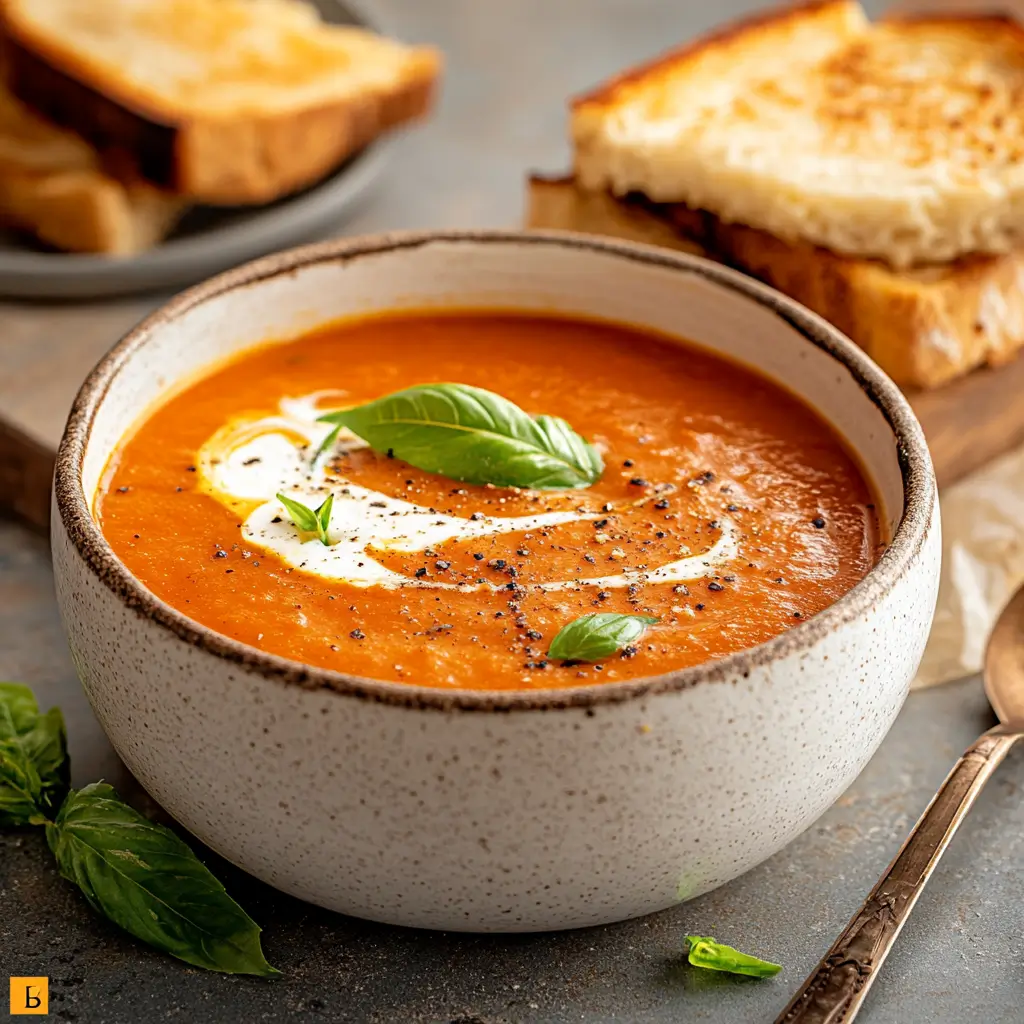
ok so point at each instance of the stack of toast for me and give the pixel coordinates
(873, 172)
(118, 115)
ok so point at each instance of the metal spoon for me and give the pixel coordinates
(835, 992)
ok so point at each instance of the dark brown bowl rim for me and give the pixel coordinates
(899, 557)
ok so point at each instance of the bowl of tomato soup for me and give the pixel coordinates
(493, 581)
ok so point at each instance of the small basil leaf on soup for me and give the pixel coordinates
(146, 880)
(716, 956)
(34, 766)
(302, 515)
(323, 520)
(474, 436)
(596, 635)
(325, 445)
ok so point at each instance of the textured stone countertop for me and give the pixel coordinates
(960, 957)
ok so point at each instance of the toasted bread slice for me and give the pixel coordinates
(233, 101)
(53, 186)
(901, 141)
(923, 327)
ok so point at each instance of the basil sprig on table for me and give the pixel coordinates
(33, 758)
(310, 520)
(137, 873)
(474, 436)
(596, 635)
(716, 956)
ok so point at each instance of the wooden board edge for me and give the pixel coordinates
(26, 474)
(973, 420)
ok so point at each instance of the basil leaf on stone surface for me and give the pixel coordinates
(474, 436)
(310, 520)
(34, 765)
(716, 956)
(146, 880)
(596, 635)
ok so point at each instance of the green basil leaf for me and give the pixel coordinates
(475, 436)
(302, 515)
(47, 745)
(21, 789)
(144, 878)
(18, 710)
(715, 956)
(596, 635)
(325, 445)
(310, 520)
(34, 766)
(323, 520)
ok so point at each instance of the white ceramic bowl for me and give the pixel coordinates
(496, 811)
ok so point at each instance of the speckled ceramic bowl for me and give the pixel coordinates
(496, 811)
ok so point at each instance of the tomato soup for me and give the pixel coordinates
(727, 510)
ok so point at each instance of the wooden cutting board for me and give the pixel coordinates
(971, 421)
(967, 424)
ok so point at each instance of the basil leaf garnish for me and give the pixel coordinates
(310, 520)
(145, 879)
(34, 765)
(596, 635)
(325, 445)
(475, 436)
(716, 956)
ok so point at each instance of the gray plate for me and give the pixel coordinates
(207, 240)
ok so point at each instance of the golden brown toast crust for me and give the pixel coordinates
(610, 92)
(898, 140)
(237, 161)
(87, 212)
(54, 186)
(923, 327)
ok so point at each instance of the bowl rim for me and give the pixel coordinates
(84, 533)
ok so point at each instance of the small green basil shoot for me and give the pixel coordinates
(715, 956)
(310, 520)
(325, 445)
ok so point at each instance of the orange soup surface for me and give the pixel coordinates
(705, 462)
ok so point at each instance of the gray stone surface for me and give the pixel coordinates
(961, 957)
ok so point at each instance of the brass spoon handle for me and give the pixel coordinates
(833, 994)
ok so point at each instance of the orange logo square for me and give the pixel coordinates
(30, 995)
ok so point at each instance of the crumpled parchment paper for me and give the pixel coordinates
(982, 565)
